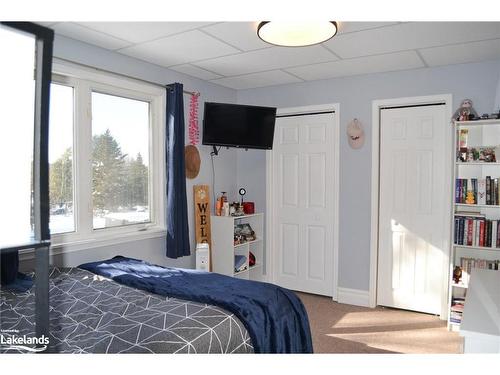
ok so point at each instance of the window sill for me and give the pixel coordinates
(110, 240)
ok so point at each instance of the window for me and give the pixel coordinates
(61, 159)
(106, 157)
(120, 149)
(17, 98)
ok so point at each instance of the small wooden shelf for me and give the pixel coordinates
(224, 250)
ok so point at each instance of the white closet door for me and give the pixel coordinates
(412, 205)
(303, 202)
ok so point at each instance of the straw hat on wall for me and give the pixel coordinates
(192, 160)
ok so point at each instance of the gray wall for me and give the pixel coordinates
(153, 249)
(497, 99)
(235, 168)
(355, 94)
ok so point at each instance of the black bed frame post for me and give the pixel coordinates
(41, 203)
(41, 177)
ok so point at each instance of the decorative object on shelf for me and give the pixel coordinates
(487, 154)
(465, 112)
(355, 134)
(463, 136)
(246, 231)
(457, 274)
(191, 153)
(242, 192)
(249, 208)
(481, 154)
(238, 239)
(237, 209)
(251, 259)
(222, 205)
(232, 209)
(470, 197)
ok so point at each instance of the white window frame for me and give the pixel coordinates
(84, 81)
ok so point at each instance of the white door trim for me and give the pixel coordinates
(377, 105)
(270, 215)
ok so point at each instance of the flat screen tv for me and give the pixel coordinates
(235, 125)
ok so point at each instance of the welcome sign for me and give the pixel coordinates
(202, 216)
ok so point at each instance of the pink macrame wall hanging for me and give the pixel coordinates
(193, 130)
(191, 153)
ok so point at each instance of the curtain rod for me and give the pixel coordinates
(126, 76)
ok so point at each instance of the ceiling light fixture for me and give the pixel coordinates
(296, 34)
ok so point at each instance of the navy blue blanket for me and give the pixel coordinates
(274, 317)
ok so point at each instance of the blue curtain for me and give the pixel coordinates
(177, 219)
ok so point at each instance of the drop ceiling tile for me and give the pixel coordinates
(362, 65)
(248, 81)
(462, 53)
(409, 36)
(179, 49)
(137, 32)
(242, 35)
(266, 59)
(84, 34)
(350, 27)
(195, 71)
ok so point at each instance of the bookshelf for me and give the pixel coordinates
(226, 253)
(476, 207)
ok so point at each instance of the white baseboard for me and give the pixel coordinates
(353, 297)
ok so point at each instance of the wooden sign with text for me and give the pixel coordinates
(202, 216)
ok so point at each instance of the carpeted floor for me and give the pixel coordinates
(340, 328)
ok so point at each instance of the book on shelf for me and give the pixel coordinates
(467, 264)
(481, 191)
(455, 317)
(474, 229)
(484, 190)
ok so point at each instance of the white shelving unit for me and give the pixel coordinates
(481, 133)
(224, 249)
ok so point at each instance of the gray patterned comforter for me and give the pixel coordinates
(92, 314)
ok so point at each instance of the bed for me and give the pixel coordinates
(93, 314)
(125, 305)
